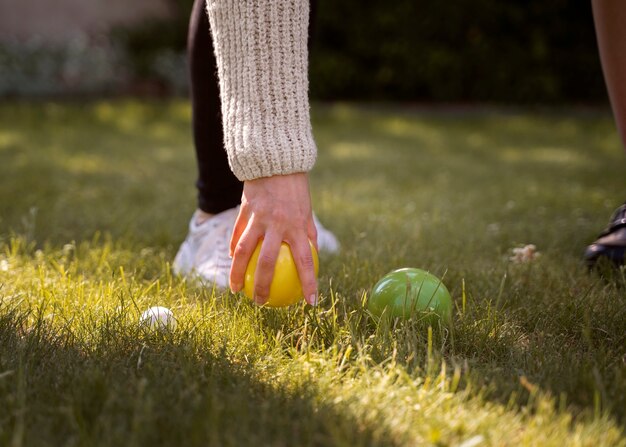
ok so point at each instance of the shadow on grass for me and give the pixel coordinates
(159, 389)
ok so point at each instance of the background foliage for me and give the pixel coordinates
(410, 50)
(521, 51)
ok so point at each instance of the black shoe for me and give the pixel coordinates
(611, 243)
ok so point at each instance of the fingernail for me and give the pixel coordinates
(236, 288)
(259, 300)
(312, 300)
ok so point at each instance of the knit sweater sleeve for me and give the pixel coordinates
(262, 61)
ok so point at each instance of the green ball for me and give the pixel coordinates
(411, 292)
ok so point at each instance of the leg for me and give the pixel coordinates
(218, 188)
(609, 17)
(204, 253)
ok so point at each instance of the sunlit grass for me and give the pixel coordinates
(95, 198)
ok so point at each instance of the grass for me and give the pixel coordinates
(95, 198)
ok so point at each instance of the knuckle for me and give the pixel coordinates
(266, 262)
(240, 249)
(301, 222)
(279, 215)
(306, 261)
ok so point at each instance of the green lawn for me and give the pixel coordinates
(95, 198)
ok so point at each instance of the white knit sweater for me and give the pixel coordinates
(262, 60)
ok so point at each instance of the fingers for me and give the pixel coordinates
(312, 233)
(303, 257)
(265, 267)
(240, 225)
(241, 255)
(270, 249)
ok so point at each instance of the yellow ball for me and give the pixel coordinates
(285, 289)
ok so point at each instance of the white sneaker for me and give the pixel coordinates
(205, 252)
(326, 241)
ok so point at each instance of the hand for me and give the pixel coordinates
(274, 209)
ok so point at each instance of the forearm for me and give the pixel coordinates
(610, 21)
(262, 58)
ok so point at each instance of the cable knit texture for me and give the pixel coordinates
(262, 60)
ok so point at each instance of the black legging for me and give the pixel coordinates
(218, 188)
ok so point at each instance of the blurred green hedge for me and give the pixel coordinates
(420, 50)
(485, 50)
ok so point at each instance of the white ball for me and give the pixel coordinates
(158, 318)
